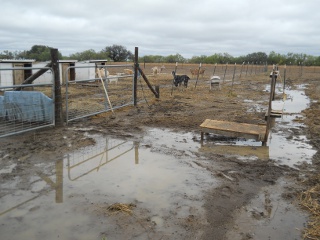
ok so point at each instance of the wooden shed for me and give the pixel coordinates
(14, 77)
(97, 63)
(71, 75)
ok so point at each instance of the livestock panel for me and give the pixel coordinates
(91, 96)
(21, 110)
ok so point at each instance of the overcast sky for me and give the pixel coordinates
(163, 27)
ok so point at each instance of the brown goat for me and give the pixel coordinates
(194, 72)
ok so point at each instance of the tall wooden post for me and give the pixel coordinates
(57, 86)
(273, 82)
(234, 73)
(135, 78)
(198, 75)
(225, 71)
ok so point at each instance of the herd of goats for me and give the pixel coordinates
(178, 80)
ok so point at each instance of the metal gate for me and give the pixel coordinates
(97, 89)
(25, 107)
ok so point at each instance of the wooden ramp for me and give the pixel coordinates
(233, 129)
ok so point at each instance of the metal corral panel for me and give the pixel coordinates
(234, 129)
(2, 112)
(27, 106)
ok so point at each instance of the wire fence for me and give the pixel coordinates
(30, 108)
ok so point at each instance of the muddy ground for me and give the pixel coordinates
(183, 111)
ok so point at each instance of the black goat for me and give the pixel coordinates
(178, 79)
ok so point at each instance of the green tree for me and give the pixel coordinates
(118, 53)
(85, 55)
(175, 58)
(256, 57)
(38, 52)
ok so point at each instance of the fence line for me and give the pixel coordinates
(86, 97)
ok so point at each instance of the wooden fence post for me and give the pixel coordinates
(225, 71)
(135, 78)
(198, 75)
(57, 86)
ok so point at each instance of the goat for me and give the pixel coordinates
(128, 71)
(178, 79)
(113, 78)
(215, 80)
(155, 70)
(196, 71)
(102, 72)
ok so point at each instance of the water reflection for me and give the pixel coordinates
(79, 163)
(99, 159)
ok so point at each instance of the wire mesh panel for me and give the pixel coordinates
(24, 107)
(110, 87)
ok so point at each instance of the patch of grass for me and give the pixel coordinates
(310, 200)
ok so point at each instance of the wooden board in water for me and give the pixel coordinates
(234, 129)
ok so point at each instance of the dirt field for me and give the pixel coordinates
(241, 180)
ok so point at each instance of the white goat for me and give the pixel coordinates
(155, 70)
(128, 71)
(102, 72)
(113, 78)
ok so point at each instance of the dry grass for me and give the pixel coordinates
(117, 208)
(310, 200)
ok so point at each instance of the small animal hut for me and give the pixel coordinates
(14, 77)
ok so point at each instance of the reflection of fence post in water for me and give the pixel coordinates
(59, 181)
(58, 185)
(136, 152)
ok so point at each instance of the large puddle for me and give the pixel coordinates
(65, 199)
(285, 145)
(156, 173)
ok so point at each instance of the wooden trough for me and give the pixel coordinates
(234, 129)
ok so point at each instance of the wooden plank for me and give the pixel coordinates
(274, 113)
(234, 129)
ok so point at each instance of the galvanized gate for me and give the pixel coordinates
(97, 89)
(25, 107)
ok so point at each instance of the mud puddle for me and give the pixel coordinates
(271, 214)
(286, 146)
(71, 197)
(268, 216)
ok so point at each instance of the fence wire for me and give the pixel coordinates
(26, 110)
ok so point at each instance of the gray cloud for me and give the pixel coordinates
(162, 27)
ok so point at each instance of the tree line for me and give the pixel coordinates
(119, 53)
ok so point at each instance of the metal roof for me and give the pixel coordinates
(17, 60)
